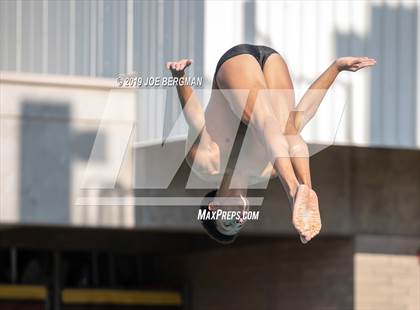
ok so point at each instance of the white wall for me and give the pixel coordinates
(105, 38)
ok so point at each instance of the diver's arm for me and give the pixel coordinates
(204, 151)
(311, 100)
(191, 107)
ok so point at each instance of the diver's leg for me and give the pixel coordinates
(243, 72)
(281, 88)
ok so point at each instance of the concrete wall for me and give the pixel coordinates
(360, 190)
(329, 273)
(277, 275)
(386, 273)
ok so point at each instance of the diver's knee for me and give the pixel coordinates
(298, 147)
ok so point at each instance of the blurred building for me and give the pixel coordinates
(59, 64)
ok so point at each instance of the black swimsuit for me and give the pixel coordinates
(260, 53)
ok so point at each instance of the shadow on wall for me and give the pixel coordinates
(392, 40)
(48, 147)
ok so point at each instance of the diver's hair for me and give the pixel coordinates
(210, 225)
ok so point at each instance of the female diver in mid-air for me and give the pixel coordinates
(275, 147)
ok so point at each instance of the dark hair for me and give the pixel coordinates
(210, 225)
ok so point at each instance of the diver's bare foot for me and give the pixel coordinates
(300, 204)
(315, 218)
(306, 217)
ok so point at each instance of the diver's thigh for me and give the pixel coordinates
(280, 85)
(241, 81)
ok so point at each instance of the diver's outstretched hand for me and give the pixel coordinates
(354, 63)
(178, 67)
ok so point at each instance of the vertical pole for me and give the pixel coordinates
(130, 34)
(57, 281)
(13, 265)
(44, 36)
(18, 35)
(95, 273)
(72, 37)
(418, 74)
(111, 269)
(93, 32)
(186, 296)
